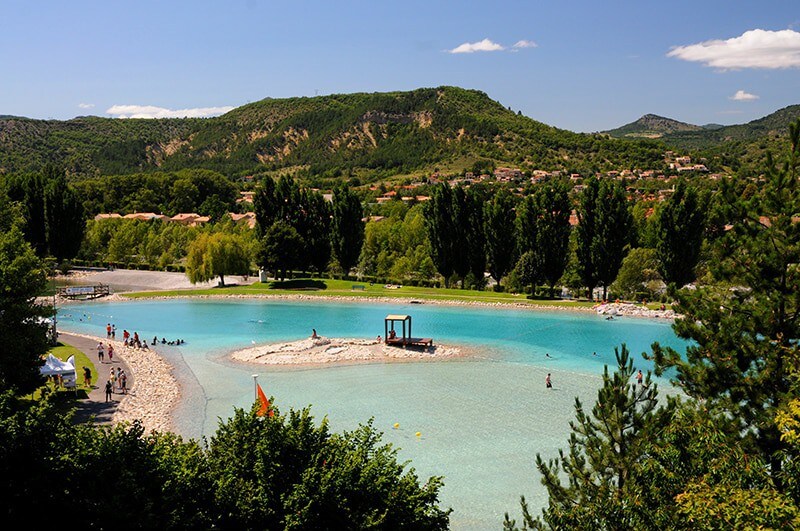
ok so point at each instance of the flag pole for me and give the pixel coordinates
(255, 387)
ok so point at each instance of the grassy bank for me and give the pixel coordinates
(63, 352)
(342, 288)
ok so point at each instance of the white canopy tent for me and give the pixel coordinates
(66, 369)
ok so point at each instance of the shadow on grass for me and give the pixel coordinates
(299, 284)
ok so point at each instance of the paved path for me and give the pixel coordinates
(96, 405)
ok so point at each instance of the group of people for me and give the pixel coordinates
(165, 342)
(118, 381)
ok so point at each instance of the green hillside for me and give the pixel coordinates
(651, 126)
(358, 134)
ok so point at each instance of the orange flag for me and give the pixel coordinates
(264, 409)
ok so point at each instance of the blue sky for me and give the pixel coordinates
(583, 65)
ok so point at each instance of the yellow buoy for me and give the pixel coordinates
(396, 425)
(418, 434)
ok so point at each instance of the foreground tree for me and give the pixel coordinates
(604, 448)
(64, 218)
(285, 472)
(216, 255)
(274, 472)
(744, 338)
(23, 330)
(347, 230)
(679, 234)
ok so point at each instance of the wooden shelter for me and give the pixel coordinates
(391, 337)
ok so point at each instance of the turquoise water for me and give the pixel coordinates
(482, 419)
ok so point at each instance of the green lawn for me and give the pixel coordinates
(63, 352)
(343, 288)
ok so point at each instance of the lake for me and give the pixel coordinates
(482, 419)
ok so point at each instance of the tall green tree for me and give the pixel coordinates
(23, 331)
(265, 205)
(441, 230)
(475, 237)
(552, 237)
(529, 266)
(605, 226)
(347, 229)
(744, 327)
(680, 228)
(605, 446)
(280, 249)
(64, 218)
(458, 239)
(501, 243)
(586, 248)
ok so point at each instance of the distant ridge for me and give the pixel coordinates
(363, 136)
(651, 126)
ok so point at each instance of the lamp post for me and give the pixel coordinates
(55, 320)
(255, 387)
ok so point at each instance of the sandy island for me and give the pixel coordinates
(326, 350)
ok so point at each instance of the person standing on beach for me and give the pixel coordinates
(547, 382)
(110, 353)
(112, 378)
(109, 388)
(123, 383)
(108, 331)
(100, 352)
(639, 378)
(113, 331)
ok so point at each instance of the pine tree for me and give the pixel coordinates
(744, 327)
(604, 448)
(679, 227)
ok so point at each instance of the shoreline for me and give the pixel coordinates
(624, 309)
(333, 351)
(155, 392)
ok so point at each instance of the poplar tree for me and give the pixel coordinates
(586, 234)
(347, 231)
(441, 230)
(615, 225)
(501, 238)
(679, 228)
(265, 205)
(744, 327)
(459, 242)
(64, 218)
(475, 237)
(529, 266)
(604, 228)
(553, 234)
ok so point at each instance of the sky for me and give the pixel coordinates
(582, 65)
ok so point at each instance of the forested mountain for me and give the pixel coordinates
(652, 126)
(379, 133)
(687, 136)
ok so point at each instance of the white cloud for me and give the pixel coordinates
(743, 96)
(86, 105)
(481, 46)
(753, 49)
(151, 111)
(524, 44)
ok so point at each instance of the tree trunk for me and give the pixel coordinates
(222, 280)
